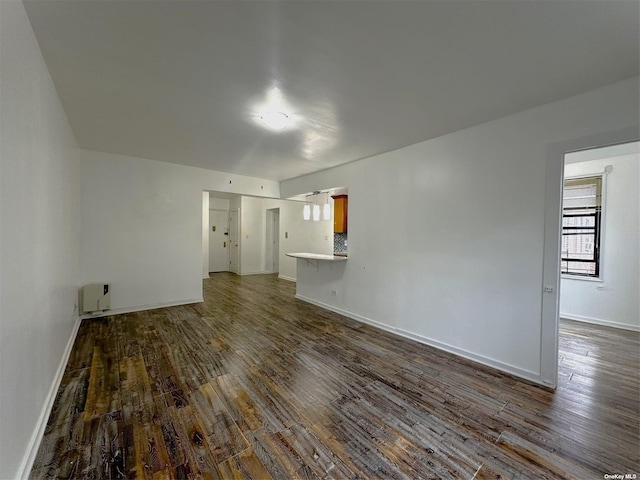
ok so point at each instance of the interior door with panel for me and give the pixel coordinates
(272, 236)
(234, 239)
(218, 241)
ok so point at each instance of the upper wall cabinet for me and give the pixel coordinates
(340, 209)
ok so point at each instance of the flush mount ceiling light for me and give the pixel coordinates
(275, 120)
(274, 112)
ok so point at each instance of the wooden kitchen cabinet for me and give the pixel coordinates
(340, 213)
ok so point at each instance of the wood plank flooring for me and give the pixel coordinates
(253, 383)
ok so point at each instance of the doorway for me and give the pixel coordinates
(556, 152)
(600, 236)
(272, 247)
(218, 241)
(234, 239)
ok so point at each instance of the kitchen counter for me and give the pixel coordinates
(318, 256)
(319, 278)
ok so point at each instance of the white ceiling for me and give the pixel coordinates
(179, 81)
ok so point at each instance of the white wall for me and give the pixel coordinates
(452, 253)
(301, 235)
(39, 263)
(205, 234)
(218, 203)
(614, 300)
(142, 226)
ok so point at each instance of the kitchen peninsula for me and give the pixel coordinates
(318, 257)
(317, 272)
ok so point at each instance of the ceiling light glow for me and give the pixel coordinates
(275, 120)
(274, 112)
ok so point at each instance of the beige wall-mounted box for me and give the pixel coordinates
(96, 297)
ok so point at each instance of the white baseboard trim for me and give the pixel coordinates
(36, 437)
(597, 321)
(254, 273)
(504, 367)
(290, 279)
(120, 311)
(489, 362)
(206, 277)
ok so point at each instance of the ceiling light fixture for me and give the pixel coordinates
(275, 120)
(326, 211)
(312, 209)
(316, 213)
(275, 113)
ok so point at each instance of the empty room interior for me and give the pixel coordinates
(319, 239)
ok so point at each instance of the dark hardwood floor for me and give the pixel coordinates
(256, 384)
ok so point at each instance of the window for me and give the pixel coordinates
(581, 229)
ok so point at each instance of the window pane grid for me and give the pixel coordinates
(581, 226)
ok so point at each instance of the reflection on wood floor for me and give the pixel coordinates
(256, 384)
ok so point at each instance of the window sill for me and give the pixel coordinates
(582, 279)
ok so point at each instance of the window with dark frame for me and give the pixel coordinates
(581, 226)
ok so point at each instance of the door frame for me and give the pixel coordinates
(550, 290)
(272, 241)
(239, 248)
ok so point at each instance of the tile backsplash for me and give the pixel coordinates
(340, 243)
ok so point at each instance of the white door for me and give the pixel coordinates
(234, 238)
(272, 247)
(218, 241)
(276, 241)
